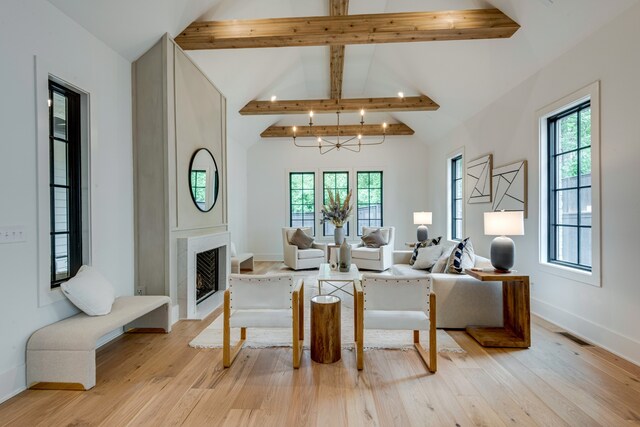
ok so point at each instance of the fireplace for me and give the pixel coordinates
(206, 274)
(203, 267)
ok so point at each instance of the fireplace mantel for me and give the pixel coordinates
(188, 248)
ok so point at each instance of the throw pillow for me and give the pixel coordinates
(383, 231)
(301, 239)
(427, 257)
(419, 245)
(89, 291)
(441, 264)
(461, 257)
(373, 239)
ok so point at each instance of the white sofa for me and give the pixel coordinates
(461, 300)
(377, 259)
(300, 259)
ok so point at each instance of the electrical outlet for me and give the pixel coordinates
(12, 234)
(140, 290)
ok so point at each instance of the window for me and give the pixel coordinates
(338, 183)
(569, 174)
(455, 192)
(302, 210)
(369, 195)
(569, 187)
(64, 183)
(199, 188)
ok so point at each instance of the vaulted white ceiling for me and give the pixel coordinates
(461, 76)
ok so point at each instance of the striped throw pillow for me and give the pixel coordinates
(420, 245)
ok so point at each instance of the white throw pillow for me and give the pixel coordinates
(234, 252)
(427, 257)
(89, 291)
(441, 264)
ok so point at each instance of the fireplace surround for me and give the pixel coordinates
(209, 255)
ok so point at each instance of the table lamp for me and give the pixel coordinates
(422, 218)
(501, 224)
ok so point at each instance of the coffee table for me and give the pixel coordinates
(339, 281)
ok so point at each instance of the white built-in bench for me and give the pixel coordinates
(241, 261)
(63, 355)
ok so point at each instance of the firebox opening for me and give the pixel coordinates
(206, 274)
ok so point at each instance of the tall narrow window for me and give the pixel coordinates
(369, 187)
(455, 191)
(338, 183)
(302, 194)
(64, 183)
(569, 182)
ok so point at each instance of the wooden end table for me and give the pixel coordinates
(325, 329)
(516, 306)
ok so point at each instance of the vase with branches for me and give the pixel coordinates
(337, 212)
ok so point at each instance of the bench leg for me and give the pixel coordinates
(158, 320)
(61, 370)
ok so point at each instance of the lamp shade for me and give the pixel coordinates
(504, 223)
(422, 218)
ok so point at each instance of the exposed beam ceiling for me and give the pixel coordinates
(303, 106)
(331, 130)
(349, 29)
(336, 63)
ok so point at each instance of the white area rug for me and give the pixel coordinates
(211, 337)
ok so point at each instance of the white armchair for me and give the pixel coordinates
(263, 301)
(378, 259)
(300, 259)
(396, 303)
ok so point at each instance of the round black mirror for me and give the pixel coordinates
(203, 179)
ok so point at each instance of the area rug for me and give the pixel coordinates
(211, 337)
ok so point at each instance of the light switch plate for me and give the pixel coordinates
(12, 234)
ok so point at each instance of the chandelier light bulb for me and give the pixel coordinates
(319, 139)
(362, 112)
(310, 113)
(273, 98)
(384, 125)
(294, 130)
(400, 94)
(359, 136)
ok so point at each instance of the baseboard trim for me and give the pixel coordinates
(10, 384)
(618, 344)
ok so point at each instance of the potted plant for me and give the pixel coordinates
(338, 213)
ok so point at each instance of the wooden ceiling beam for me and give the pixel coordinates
(348, 29)
(332, 130)
(303, 106)
(336, 55)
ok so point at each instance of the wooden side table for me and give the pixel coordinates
(325, 329)
(516, 306)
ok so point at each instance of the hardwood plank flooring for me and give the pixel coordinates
(156, 379)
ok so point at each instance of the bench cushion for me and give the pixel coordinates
(81, 332)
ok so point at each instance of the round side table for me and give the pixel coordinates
(325, 329)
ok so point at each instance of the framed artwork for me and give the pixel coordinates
(510, 187)
(479, 179)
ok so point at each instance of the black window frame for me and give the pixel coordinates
(73, 186)
(553, 224)
(303, 189)
(454, 179)
(369, 204)
(325, 200)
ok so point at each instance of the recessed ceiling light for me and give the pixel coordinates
(273, 98)
(401, 94)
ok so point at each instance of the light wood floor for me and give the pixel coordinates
(157, 379)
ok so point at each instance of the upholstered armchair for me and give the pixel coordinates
(396, 303)
(378, 259)
(263, 301)
(300, 259)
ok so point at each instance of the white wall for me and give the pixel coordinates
(609, 315)
(237, 192)
(35, 27)
(403, 160)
